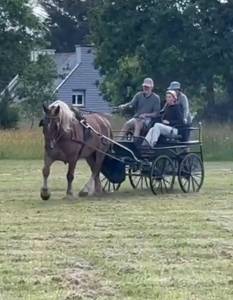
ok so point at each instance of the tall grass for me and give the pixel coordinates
(21, 144)
(218, 141)
(28, 144)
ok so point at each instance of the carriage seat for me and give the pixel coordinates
(182, 138)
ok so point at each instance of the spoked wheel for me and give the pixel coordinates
(162, 175)
(191, 173)
(138, 180)
(108, 186)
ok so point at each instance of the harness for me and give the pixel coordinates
(104, 139)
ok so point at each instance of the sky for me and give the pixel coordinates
(38, 10)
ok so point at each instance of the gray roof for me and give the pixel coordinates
(66, 63)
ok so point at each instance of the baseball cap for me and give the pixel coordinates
(148, 82)
(174, 85)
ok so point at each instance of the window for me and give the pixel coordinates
(78, 98)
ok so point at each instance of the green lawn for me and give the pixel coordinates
(127, 245)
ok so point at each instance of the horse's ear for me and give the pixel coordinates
(57, 110)
(41, 124)
(45, 108)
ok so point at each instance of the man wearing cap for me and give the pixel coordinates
(182, 100)
(146, 105)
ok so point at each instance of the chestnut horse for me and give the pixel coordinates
(66, 140)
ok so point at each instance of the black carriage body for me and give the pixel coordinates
(113, 170)
(146, 166)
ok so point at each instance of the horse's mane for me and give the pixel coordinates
(66, 115)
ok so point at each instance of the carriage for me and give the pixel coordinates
(157, 168)
(90, 137)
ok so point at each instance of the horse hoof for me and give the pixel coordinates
(83, 194)
(45, 194)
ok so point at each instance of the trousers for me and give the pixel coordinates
(157, 130)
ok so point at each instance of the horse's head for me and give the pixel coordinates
(51, 124)
(56, 122)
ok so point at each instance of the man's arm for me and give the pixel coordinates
(151, 115)
(131, 104)
(156, 109)
(185, 105)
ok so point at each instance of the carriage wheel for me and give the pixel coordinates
(162, 175)
(108, 186)
(138, 180)
(191, 173)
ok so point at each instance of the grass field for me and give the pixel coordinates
(127, 245)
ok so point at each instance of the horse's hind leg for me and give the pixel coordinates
(89, 188)
(70, 178)
(45, 193)
(93, 186)
(96, 172)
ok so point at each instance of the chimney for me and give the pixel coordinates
(78, 54)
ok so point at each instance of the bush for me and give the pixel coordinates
(10, 118)
(9, 115)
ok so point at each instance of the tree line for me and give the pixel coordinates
(186, 40)
(21, 31)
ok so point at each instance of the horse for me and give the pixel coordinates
(67, 140)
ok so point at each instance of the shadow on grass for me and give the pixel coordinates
(131, 195)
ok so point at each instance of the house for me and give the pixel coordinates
(78, 80)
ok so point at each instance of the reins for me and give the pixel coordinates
(88, 126)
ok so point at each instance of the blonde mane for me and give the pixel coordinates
(66, 116)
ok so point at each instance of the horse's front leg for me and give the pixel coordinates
(45, 193)
(70, 178)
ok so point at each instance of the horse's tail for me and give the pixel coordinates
(111, 137)
(103, 118)
(110, 131)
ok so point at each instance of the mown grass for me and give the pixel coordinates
(28, 144)
(126, 245)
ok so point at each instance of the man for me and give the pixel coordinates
(146, 105)
(182, 100)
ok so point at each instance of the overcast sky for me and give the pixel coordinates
(38, 10)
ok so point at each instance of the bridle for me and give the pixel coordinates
(57, 137)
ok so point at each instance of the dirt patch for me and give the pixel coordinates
(85, 282)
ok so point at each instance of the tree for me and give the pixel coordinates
(20, 30)
(68, 22)
(149, 30)
(189, 41)
(9, 115)
(212, 49)
(36, 86)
